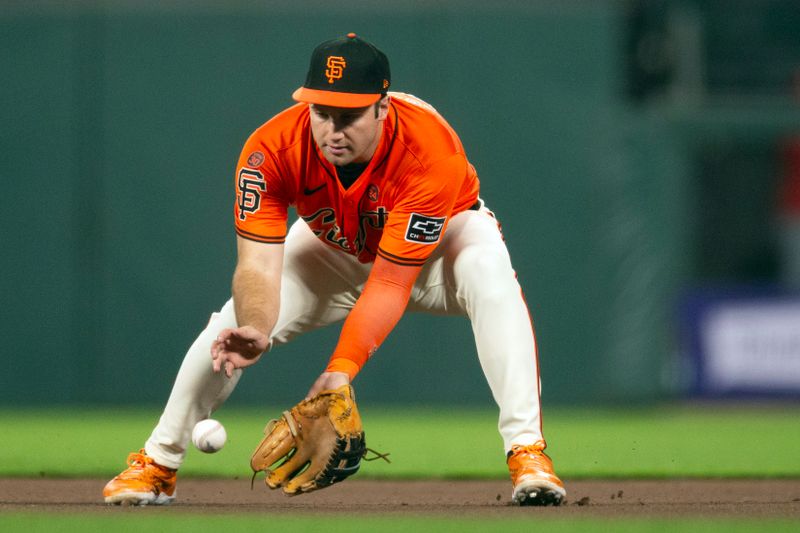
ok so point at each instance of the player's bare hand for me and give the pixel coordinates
(237, 348)
(328, 381)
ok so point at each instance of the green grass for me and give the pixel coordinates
(424, 443)
(174, 521)
(646, 443)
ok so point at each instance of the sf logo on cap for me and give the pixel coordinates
(335, 68)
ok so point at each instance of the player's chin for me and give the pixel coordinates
(338, 157)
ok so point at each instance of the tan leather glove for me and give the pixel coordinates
(323, 432)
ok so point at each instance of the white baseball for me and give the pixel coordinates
(209, 436)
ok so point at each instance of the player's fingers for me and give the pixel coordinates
(223, 336)
(217, 358)
(229, 367)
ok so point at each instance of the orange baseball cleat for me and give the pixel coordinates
(143, 482)
(535, 482)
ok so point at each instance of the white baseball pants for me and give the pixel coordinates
(470, 273)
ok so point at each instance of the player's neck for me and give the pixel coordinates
(349, 173)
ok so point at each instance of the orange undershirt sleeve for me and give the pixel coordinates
(375, 314)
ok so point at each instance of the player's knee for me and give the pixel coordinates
(485, 273)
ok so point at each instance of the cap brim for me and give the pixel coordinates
(334, 99)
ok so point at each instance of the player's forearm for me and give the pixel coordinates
(256, 299)
(372, 319)
(375, 314)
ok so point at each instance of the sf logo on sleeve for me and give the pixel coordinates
(250, 186)
(425, 230)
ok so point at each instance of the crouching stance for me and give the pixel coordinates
(390, 219)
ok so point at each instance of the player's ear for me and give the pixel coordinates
(382, 107)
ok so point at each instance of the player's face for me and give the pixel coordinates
(348, 135)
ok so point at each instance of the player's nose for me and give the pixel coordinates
(336, 133)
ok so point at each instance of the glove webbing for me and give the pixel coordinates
(344, 463)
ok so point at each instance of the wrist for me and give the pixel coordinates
(343, 365)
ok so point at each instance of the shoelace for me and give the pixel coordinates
(136, 464)
(137, 461)
(530, 450)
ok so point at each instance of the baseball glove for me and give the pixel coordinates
(317, 443)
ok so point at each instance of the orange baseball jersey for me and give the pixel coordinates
(398, 207)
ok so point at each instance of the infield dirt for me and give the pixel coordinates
(589, 498)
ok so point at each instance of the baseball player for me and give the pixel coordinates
(390, 220)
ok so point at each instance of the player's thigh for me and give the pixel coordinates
(476, 260)
(472, 257)
(477, 263)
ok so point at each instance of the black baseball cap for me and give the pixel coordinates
(345, 72)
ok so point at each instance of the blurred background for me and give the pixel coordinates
(643, 157)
